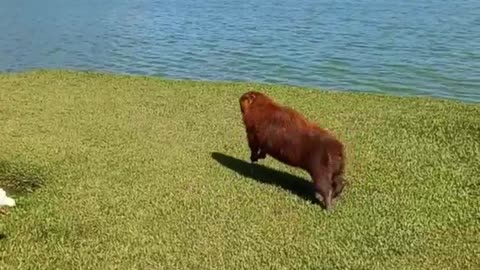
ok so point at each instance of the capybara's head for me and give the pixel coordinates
(248, 98)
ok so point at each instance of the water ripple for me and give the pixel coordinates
(403, 47)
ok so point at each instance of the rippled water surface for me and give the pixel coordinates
(429, 47)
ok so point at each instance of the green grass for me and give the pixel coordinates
(123, 172)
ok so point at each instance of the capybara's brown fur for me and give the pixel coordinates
(290, 138)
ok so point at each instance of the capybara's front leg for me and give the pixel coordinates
(253, 144)
(338, 183)
(323, 188)
(262, 154)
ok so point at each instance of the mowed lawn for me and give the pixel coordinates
(123, 172)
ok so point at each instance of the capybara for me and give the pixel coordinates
(286, 135)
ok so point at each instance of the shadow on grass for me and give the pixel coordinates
(263, 174)
(20, 178)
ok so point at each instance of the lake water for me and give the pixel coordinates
(413, 47)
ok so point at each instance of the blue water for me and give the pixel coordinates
(411, 47)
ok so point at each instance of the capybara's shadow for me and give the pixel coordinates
(294, 184)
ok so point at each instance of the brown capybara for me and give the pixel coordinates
(289, 137)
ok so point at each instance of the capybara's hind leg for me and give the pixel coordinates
(323, 189)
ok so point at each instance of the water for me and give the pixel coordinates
(408, 47)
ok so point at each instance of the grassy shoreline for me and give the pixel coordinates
(142, 172)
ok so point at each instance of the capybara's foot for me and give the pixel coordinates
(327, 204)
(254, 157)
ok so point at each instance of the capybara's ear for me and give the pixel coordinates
(252, 96)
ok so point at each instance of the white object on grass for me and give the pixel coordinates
(4, 200)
